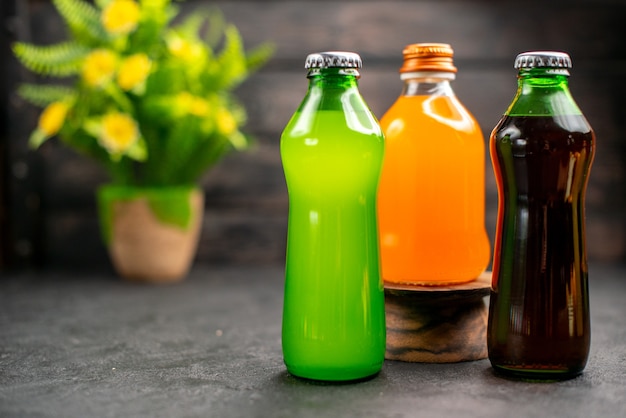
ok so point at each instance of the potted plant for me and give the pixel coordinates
(152, 102)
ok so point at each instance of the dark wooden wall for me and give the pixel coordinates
(49, 209)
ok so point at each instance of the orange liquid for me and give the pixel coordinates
(431, 197)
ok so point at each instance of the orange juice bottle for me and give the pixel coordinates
(431, 197)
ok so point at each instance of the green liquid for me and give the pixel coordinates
(334, 318)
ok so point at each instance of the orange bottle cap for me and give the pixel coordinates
(428, 57)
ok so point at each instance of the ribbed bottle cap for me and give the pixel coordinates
(428, 57)
(333, 59)
(544, 59)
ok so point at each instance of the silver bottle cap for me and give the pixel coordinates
(544, 59)
(333, 59)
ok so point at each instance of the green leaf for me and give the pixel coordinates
(138, 151)
(148, 37)
(93, 127)
(102, 3)
(43, 95)
(207, 155)
(58, 60)
(232, 60)
(37, 138)
(215, 28)
(166, 79)
(155, 5)
(160, 110)
(238, 140)
(118, 96)
(180, 146)
(259, 56)
(172, 206)
(83, 20)
(190, 27)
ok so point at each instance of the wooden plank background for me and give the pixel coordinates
(53, 207)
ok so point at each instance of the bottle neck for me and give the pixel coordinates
(332, 89)
(543, 92)
(542, 80)
(427, 83)
(334, 78)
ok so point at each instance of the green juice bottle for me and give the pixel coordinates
(332, 150)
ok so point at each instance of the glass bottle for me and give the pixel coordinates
(332, 150)
(431, 201)
(541, 150)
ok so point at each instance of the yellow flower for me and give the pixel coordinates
(119, 132)
(184, 49)
(99, 67)
(191, 104)
(183, 100)
(133, 71)
(120, 17)
(226, 123)
(199, 107)
(52, 118)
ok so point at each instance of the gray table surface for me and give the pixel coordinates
(92, 345)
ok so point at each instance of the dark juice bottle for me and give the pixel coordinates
(541, 151)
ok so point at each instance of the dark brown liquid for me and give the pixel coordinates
(539, 307)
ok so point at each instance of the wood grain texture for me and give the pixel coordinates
(246, 206)
(435, 334)
(437, 324)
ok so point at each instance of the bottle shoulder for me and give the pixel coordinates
(329, 98)
(518, 126)
(332, 123)
(543, 100)
(421, 111)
